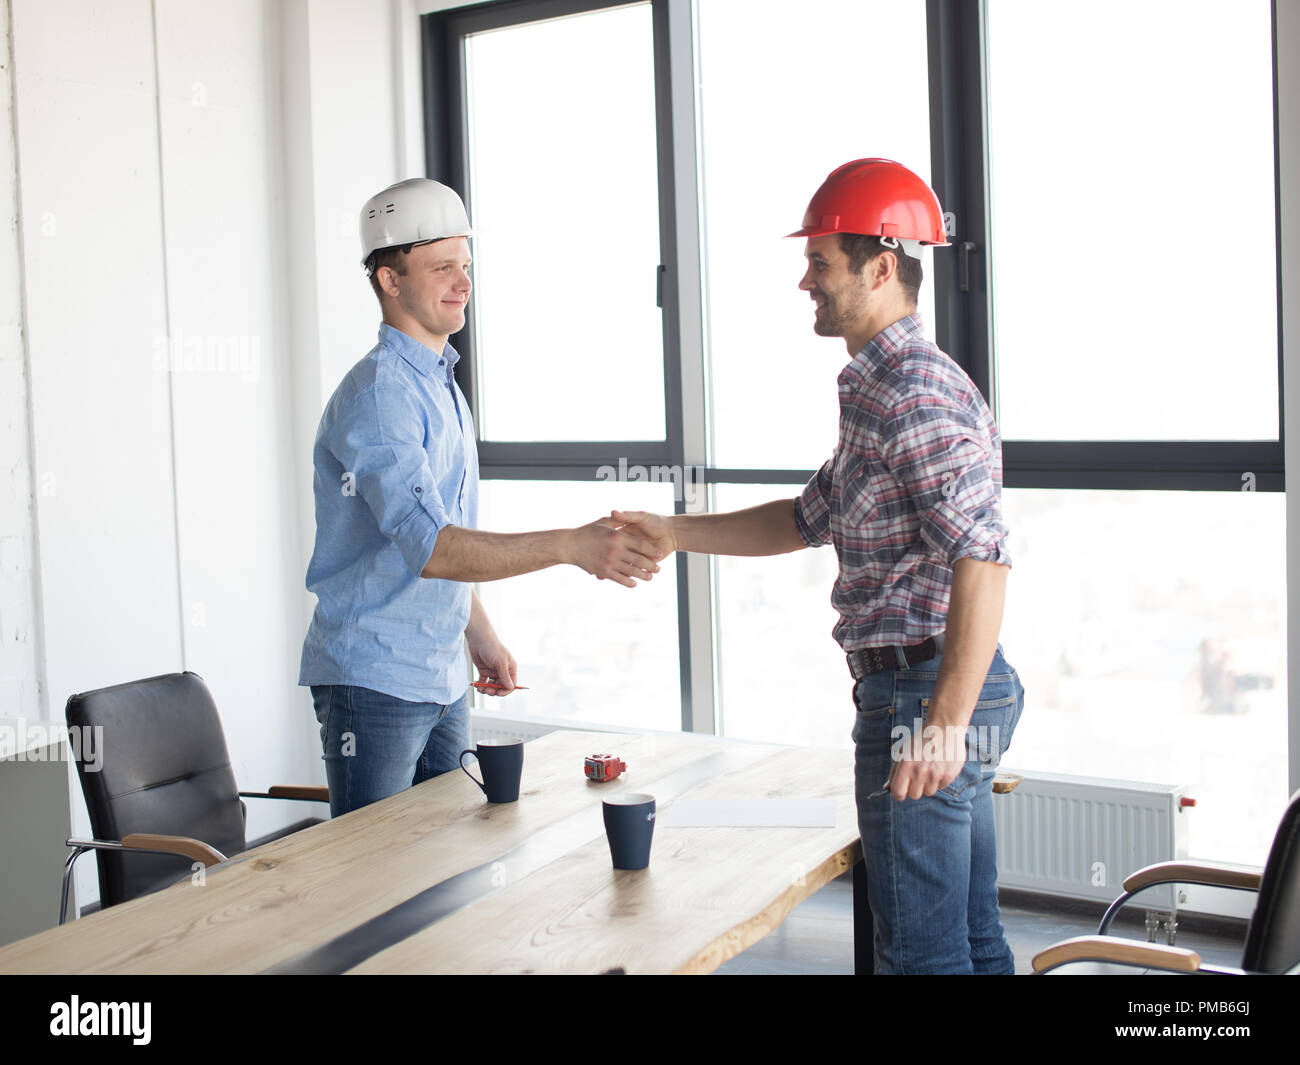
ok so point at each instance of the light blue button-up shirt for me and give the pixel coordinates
(395, 461)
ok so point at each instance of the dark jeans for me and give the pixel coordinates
(932, 862)
(376, 745)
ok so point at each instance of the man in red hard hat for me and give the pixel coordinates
(911, 499)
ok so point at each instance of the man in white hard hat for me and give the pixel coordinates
(911, 499)
(396, 492)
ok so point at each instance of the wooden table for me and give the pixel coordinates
(555, 904)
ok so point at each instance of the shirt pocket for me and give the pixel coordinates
(853, 501)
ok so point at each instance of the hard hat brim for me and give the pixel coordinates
(821, 231)
(810, 231)
(416, 243)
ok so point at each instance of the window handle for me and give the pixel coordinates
(659, 285)
(963, 264)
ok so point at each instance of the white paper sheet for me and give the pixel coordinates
(749, 813)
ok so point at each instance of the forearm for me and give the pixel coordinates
(767, 529)
(479, 630)
(462, 554)
(494, 662)
(974, 621)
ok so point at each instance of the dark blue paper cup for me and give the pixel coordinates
(629, 827)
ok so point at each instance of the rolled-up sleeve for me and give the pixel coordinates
(379, 438)
(946, 462)
(812, 509)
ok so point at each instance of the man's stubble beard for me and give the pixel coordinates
(830, 320)
(833, 320)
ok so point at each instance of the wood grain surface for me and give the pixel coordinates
(708, 894)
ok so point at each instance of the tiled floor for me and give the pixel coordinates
(818, 936)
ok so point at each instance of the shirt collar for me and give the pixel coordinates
(424, 359)
(885, 343)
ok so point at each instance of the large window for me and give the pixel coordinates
(587, 650)
(1149, 629)
(771, 127)
(563, 180)
(1132, 233)
(1108, 179)
(1133, 225)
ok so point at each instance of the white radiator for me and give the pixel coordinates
(1081, 836)
(488, 727)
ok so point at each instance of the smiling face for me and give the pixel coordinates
(855, 306)
(841, 296)
(427, 301)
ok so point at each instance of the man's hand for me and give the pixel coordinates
(496, 665)
(934, 759)
(928, 762)
(487, 652)
(654, 527)
(609, 551)
(767, 529)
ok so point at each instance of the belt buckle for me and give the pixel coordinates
(878, 659)
(868, 660)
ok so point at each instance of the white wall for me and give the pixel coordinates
(91, 219)
(1288, 122)
(20, 694)
(188, 177)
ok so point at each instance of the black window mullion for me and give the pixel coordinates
(1228, 465)
(573, 453)
(955, 35)
(446, 156)
(669, 279)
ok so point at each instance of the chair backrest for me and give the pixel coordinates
(1273, 942)
(164, 769)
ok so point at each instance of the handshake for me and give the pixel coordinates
(625, 547)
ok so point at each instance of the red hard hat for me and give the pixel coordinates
(878, 198)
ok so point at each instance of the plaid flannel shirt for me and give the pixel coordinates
(915, 484)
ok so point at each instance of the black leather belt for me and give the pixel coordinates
(868, 660)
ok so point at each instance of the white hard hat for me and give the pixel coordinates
(414, 211)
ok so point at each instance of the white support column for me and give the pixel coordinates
(699, 712)
(1287, 47)
(21, 665)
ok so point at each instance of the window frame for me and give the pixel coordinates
(960, 56)
(447, 158)
(957, 32)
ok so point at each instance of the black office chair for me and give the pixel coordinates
(1272, 943)
(163, 795)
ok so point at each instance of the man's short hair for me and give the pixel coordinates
(862, 249)
(394, 257)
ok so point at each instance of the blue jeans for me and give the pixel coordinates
(932, 862)
(376, 745)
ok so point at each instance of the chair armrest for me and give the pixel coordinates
(1214, 875)
(182, 845)
(1120, 951)
(1192, 873)
(136, 841)
(305, 792)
